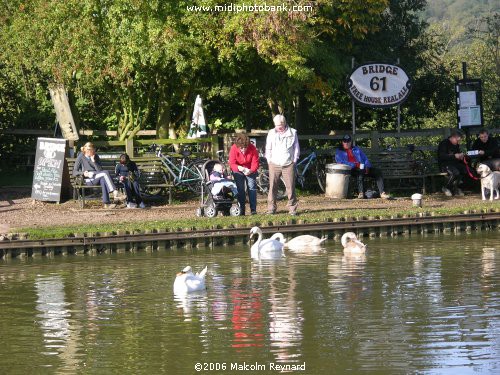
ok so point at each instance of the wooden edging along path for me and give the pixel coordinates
(161, 239)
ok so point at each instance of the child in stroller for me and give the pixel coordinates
(222, 187)
(218, 192)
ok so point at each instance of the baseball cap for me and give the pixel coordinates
(346, 138)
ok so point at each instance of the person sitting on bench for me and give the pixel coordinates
(128, 173)
(88, 165)
(451, 161)
(361, 167)
(488, 150)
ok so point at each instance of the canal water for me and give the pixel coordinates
(423, 304)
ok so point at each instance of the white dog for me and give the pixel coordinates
(489, 180)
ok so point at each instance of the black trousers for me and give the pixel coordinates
(457, 172)
(374, 173)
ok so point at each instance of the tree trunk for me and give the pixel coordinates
(301, 112)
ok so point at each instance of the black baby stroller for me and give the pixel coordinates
(211, 204)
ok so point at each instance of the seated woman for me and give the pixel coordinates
(361, 167)
(128, 173)
(88, 165)
(221, 183)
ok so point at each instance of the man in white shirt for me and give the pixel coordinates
(282, 152)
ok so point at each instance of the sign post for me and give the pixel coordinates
(469, 100)
(378, 85)
(48, 170)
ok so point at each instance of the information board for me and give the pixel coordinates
(469, 102)
(48, 171)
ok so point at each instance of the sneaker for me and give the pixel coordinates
(109, 205)
(293, 213)
(361, 196)
(115, 195)
(384, 195)
(270, 212)
(253, 213)
(131, 205)
(447, 192)
(142, 205)
(460, 193)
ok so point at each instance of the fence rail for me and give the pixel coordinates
(375, 138)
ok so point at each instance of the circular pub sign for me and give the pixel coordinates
(379, 85)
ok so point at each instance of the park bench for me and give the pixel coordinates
(152, 180)
(405, 170)
(401, 169)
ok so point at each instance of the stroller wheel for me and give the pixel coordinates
(199, 212)
(210, 211)
(235, 211)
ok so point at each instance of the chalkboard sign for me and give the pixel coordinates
(49, 165)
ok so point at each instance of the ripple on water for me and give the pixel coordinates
(425, 304)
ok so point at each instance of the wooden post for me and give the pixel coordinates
(215, 146)
(375, 140)
(129, 147)
(353, 62)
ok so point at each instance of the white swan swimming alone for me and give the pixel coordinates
(186, 281)
(265, 249)
(299, 243)
(351, 244)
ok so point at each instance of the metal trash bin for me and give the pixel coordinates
(337, 180)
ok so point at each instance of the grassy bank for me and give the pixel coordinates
(247, 221)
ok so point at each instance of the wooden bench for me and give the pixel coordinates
(401, 169)
(153, 180)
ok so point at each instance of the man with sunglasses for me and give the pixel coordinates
(361, 167)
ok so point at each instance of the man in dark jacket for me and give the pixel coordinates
(489, 151)
(451, 161)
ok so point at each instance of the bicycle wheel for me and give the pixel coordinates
(321, 174)
(192, 177)
(263, 184)
(263, 181)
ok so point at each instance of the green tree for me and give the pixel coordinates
(143, 61)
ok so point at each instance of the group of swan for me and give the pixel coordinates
(270, 248)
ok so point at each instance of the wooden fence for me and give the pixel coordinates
(424, 139)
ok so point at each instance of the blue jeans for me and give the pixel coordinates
(242, 183)
(104, 179)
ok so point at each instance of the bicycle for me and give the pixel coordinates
(183, 173)
(303, 166)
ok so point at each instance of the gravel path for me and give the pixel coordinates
(17, 210)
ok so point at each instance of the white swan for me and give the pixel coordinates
(351, 244)
(265, 249)
(187, 282)
(300, 242)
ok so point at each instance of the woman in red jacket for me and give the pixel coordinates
(244, 162)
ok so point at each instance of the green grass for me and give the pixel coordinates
(248, 221)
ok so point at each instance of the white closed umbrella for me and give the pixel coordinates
(198, 128)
